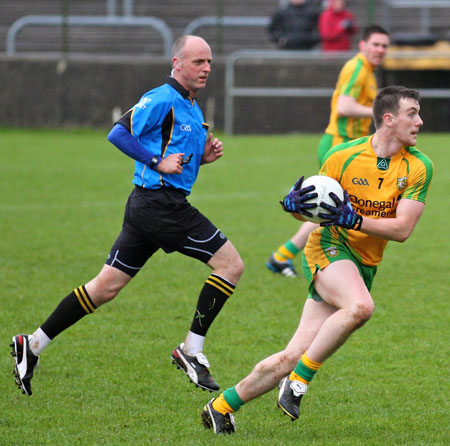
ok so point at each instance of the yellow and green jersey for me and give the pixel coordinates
(375, 186)
(356, 79)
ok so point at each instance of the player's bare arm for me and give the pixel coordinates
(399, 228)
(213, 150)
(347, 106)
(171, 164)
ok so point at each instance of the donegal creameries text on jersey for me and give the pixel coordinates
(375, 186)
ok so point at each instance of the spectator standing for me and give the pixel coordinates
(336, 27)
(294, 27)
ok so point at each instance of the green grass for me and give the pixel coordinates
(108, 379)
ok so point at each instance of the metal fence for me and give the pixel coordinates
(233, 91)
(97, 21)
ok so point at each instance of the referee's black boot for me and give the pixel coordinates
(25, 362)
(196, 368)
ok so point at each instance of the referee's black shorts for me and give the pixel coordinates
(162, 218)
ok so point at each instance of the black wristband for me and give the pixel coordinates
(154, 162)
(358, 223)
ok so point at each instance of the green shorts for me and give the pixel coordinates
(323, 249)
(326, 143)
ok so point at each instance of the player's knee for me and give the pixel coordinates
(362, 312)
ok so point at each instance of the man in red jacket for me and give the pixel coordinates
(336, 26)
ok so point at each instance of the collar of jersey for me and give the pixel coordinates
(366, 62)
(175, 84)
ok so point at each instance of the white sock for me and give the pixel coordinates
(193, 344)
(38, 341)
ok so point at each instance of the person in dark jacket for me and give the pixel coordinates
(295, 26)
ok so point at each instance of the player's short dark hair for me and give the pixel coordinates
(373, 29)
(388, 99)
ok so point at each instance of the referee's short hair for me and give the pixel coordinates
(178, 46)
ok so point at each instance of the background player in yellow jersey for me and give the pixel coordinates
(350, 118)
(386, 180)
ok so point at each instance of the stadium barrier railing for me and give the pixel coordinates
(232, 91)
(226, 21)
(100, 21)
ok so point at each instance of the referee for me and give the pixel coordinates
(166, 135)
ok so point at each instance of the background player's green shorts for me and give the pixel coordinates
(323, 249)
(326, 143)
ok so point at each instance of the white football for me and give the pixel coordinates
(324, 185)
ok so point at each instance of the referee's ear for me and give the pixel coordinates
(176, 63)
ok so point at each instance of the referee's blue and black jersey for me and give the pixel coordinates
(167, 120)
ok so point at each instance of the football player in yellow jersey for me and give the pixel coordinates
(350, 118)
(386, 180)
(356, 87)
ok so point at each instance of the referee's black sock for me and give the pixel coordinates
(70, 310)
(214, 294)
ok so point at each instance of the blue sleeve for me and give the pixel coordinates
(128, 144)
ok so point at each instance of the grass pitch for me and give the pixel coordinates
(108, 380)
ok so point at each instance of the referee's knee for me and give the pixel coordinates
(238, 267)
(106, 285)
(235, 269)
(231, 268)
(234, 265)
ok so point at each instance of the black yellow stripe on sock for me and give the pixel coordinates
(84, 299)
(221, 284)
(70, 310)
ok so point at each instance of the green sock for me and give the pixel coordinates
(286, 252)
(307, 368)
(233, 399)
(291, 248)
